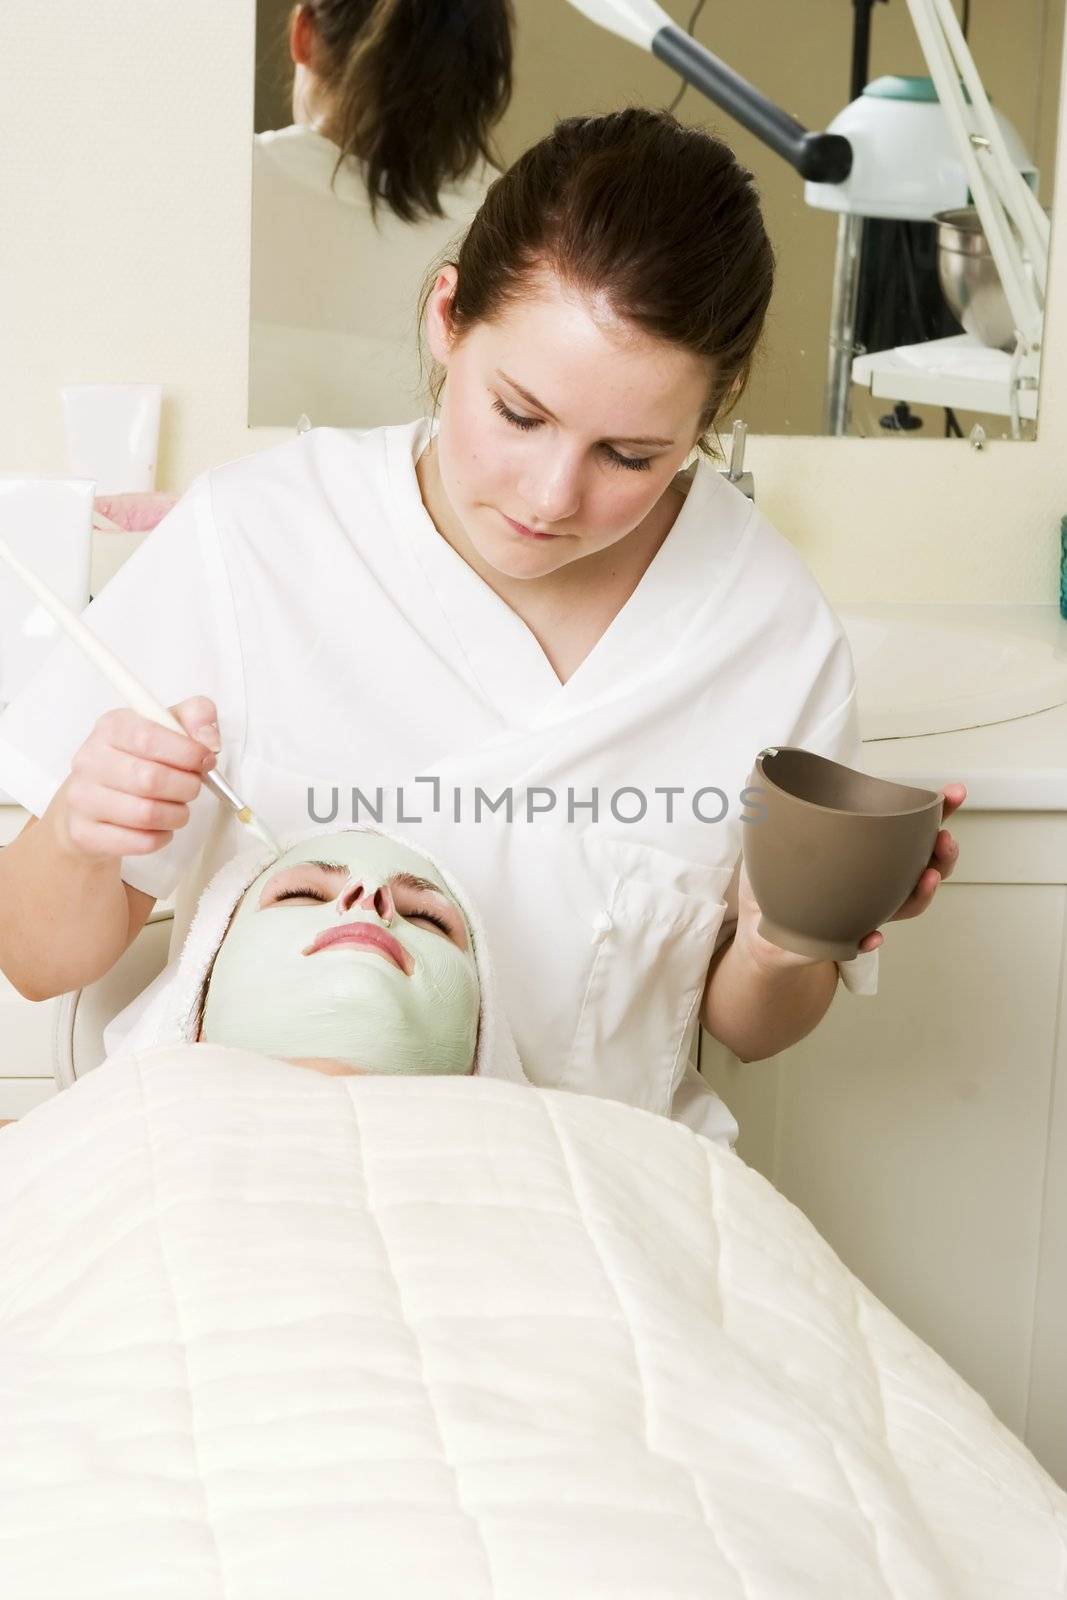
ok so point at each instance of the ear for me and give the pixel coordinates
(301, 36)
(439, 332)
(733, 394)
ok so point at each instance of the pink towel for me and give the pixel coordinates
(135, 513)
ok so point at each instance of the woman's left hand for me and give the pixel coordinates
(940, 866)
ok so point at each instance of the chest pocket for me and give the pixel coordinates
(651, 952)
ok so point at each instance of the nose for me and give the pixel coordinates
(378, 900)
(553, 490)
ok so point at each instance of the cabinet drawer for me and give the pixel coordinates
(1010, 846)
(19, 1095)
(25, 1034)
(25, 1025)
(12, 821)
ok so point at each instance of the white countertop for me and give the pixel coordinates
(1018, 765)
(1009, 766)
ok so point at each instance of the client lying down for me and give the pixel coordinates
(352, 953)
(392, 1329)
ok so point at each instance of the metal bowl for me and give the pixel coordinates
(969, 278)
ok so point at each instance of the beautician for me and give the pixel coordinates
(535, 598)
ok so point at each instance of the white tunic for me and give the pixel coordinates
(348, 646)
(335, 291)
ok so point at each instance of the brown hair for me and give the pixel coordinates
(660, 218)
(418, 86)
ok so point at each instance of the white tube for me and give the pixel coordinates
(112, 432)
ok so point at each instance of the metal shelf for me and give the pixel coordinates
(960, 372)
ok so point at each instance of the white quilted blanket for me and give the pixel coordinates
(269, 1333)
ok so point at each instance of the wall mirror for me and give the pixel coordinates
(885, 323)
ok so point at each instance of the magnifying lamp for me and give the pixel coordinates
(818, 157)
(855, 168)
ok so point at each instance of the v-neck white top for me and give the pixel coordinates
(349, 648)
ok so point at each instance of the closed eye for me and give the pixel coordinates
(423, 910)
(424, 904)
(631, 463)
(305, 893)
(427, 916)
(304, 883)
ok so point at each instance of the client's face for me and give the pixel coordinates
(348, 949)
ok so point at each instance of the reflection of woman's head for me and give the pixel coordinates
(410, 88)
(351, 948)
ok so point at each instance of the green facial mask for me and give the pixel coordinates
(347, 1001)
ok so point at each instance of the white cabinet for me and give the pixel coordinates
(25, 1029)
(25, 1036)
(12, 821)
(924, 1130)
(36, 1036)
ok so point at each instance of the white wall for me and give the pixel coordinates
(125, 201)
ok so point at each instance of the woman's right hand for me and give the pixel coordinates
(131, 783)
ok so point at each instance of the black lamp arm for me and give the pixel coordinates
(819, 157)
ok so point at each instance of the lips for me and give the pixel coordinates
(366, 936)
(521, 528)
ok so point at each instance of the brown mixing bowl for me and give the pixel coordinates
(832, 852)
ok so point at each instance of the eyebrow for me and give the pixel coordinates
(531, 400)
(410, 881)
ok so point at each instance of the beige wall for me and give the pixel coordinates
(126, 198)
(274, 68)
